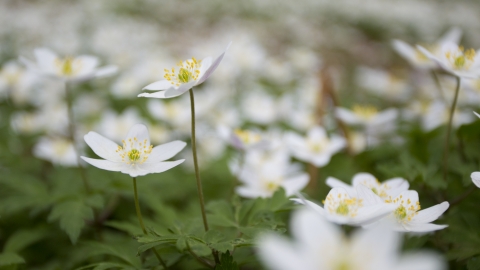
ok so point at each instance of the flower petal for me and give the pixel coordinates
(106, 164)
(420, 261)
(165, 151)
(277, 253)
(214, 66)
(174, 92)
(476, 178)
(140, 132)
(159, 85)
(160, 166)
(102, 146)
(423, 227)
(106, 71)
(86, 64)
(159, 94)
(430, 214)
(294, 184)
(46, 60)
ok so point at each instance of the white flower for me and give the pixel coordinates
(476, 178)
(190, 73)
(408, 217)
(320, 245)
(383, 83)
(242, 139)
(265, 177)
(317, 148)
(73, 69)
(418, 59)
(356, 207)
(136, 157)
(367, 116)
(456, 60)
(390, 188)
(56, 150)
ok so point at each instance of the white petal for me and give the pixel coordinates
(159, 85)
(45, 60)
(398, 184)
(405, 50)
(423, 227)
(106, 71)
(369, 197)
(140, 132)
(295, 184)
(278, 254)
(212, 67)
(317, 133)
(102, 146)
(347, 116)
(385, 117)
(160, 166)
(174, 92)
(420, 261)
(334, 182)
(364, 178)
(452, 36)
(165, 151)
(159, 94)
(29, 64)
(369, 214)
(430, 214)
(106, 164)
(86, 63)
(378, 243)
(250, 191)
(476, 178)
(317, 208)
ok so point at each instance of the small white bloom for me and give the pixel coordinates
(73, 69)
(476, 178)
(242, 139)
(190, 73)
(136, 156)
(456, 60)
(56, 150)
(390, 188)
(320, 245)
(383, 83)
(317, 148)
(408, 217)
(367, 116)
(356, 207)
(417, 58)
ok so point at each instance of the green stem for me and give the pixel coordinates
(449, 128)
(197, 172)
(439, 86)
(140, 220)
(195, 162)
(71, 135)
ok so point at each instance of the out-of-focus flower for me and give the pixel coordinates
(260, 107)
(476, 178)
(242, 139)
(317, 148)
(360, 207)
(407, 216)
(367, 116)
(322, 245)
(456, 60)
(114, 126)
(417, 58)
(389, 188)
(72, 69)
(56, 150)
(136, 157)
(16, 82)
(383, 83)
(190, 73)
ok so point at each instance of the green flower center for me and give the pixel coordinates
(460, 61)
(133, 155)
(343, 266)
(401, 212)
(67, 68)
(342, 209)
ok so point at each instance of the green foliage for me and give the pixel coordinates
(227, 263)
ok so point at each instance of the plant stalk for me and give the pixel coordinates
(142, 225)
(449, 128)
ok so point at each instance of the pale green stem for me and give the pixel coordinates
(439, 86)
(449, 127)
(140, 220)
(71, 131)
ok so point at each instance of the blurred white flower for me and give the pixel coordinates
(260, 107)
(190, 73)
(408, 217)
(317, 148)
(72, 69)
(367, 116)
(456, 60)
(320, 245)
(417, 58)
(136, 157)
(113, 125)
(383, 83)
(56, 150)
(16, 82)
(476, 178)
(389, 188)
(242, 139)
(357, 207)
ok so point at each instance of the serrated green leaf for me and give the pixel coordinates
(9, 258)
(227, 263)
(71, 216)
(120, 251)
(199, 248)
(125, 226)
(213, 236)
(23, 238)
(220, 213)
(96, 201)
(222, 246)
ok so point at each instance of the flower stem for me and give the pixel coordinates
(197, 173)
(449, 127)
(195, 163)
(140, 220)
(439, 86)
(71, 134)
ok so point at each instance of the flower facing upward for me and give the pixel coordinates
(74, 69)
(188, 74)
(136, 156)
(456, 60)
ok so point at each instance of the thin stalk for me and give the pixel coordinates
(195, 163)
(71, 135)
(140, 220)
(439, 86)
(449, 128)
(197, 172)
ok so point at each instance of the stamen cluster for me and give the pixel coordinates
(134, 151)
(189, 70)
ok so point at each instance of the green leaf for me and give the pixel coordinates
(105, 265)
(23, 238)
(125, 226)
(220, 213)
(9, 258)
(473, 263)
(96, 201)
(120, 251)
(227, 263)
(71, 215)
